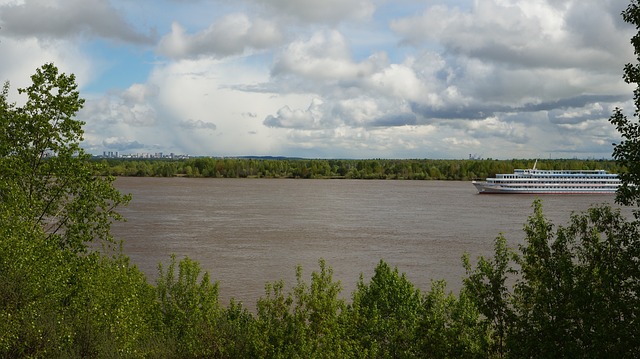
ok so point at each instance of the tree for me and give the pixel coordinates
(385, 314)
(574, 291)
(627, 152)
(304, 323)
(451, 327)
(46, 177)
(577, 295)
(544, 297)
(487, 288)
(57, 299)
(190, 308)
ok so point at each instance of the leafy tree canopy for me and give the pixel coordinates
(627, 152)
(47, 179)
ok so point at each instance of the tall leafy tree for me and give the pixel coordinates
(452, 327)
(574, 291)
(307, 322)
(56, 299)
(487, 287)
(385, 314)
(190, 308)
(46, 178)
(544, 296)
(577, 295)
(627, 152)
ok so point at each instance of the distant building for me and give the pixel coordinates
(144, 155)
(109, 154)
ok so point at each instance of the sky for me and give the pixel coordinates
(333, 78)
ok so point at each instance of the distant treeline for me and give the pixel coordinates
(409, 169)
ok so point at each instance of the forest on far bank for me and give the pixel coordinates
(392, 169)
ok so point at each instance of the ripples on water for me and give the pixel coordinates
(247, 232)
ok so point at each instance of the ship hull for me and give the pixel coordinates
(490, 188)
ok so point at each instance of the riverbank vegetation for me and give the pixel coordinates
(404, 169)
(67, 290)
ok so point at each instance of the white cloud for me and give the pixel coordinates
(68, 18)
(122, 144)
(134, 106)
(462, 142)
(324, 57)
(495, 127)
(197, 125)
(329, 11)
(538, 33)
(232, 35)
(195, 111)
(20, 59)
(400, 81)
(303, 119)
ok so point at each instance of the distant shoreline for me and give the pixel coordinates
(370, 169)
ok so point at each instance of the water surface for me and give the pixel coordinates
(247, 232)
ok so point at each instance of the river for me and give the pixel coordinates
(247, 232)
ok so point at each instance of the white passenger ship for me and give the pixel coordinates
(534, 181)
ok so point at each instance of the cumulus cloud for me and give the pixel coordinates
(496, 127)
(68, 18)
(508, 72)
(133, 106)
(324, 57)
(21, 57)
(356, 113)
(299, 119)
(524, 33)
(365, 93)
(122, 144)
(329, 11)
(529, 55)
(197, 125)
(232, 35)
(392, 120)
(401, 81)
(466, 98)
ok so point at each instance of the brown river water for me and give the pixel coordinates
(247, 232)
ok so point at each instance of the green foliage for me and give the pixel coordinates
(605, 250)
(627, 152)
(274, 322)
(542, 304)
(57, 298)
(319, 308)
(30, 270)
(451, 327)
(190, 309)
(487, 287)
(236, 329)
(627, 155)
(392, 169)
(577, 296)
(112, 309)
(304, 323)
(385, 314)
(55, 303)
(47, 178)
(573, 292)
